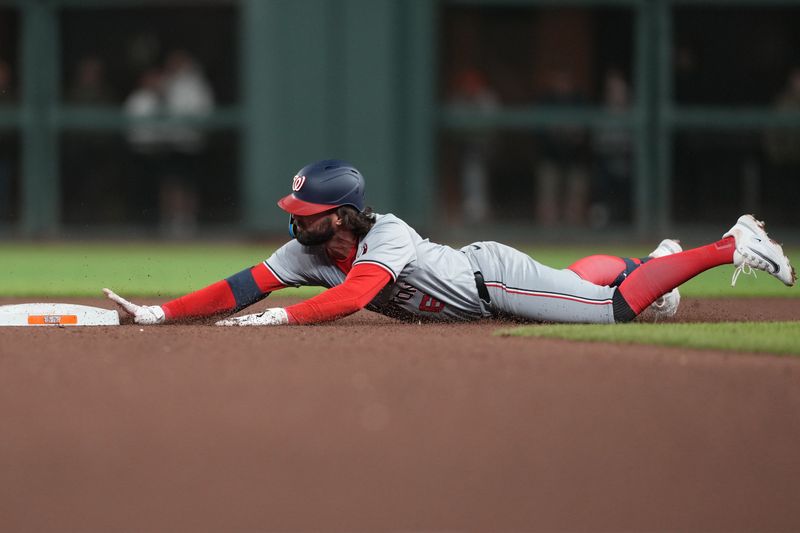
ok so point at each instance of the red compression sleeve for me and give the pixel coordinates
(220, 297)
(362, 284)
(661, 275)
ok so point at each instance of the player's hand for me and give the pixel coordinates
(141, 314)
(275, 316)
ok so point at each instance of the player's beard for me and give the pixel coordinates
(319, 235)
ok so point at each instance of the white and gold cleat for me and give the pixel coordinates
(755, 250)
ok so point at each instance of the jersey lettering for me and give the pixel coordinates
(430, 304)
(405, 293)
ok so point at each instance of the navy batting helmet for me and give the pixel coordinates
(322, 186)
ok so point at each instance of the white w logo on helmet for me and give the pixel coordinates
(297, 183)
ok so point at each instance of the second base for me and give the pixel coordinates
(55, 314)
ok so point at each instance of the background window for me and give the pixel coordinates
(9, 68)
(516, 50)
(9, 98)
(495, 58)
(105, 51)
(741, 56)
(743, 172)
(574, 177)
(9, 176)
(153, 186)
(150, 63)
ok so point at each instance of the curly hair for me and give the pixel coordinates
(358, 223)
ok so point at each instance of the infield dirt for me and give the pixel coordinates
(368, 424)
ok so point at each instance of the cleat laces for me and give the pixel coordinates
(745, 269)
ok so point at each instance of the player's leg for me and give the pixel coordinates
(612, 270)
(522, 287)
(666, 306)
(746, 245)
(608, 270)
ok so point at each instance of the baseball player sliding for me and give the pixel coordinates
(377, 261)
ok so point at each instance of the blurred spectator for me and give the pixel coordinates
(7, 93)
(7, 158)
(471, 90)
(7, 96)
(562, 178)
(611, 195)
(91, 170)
(142, 50)
(685, 62)
(782, 146)
(146, 101)
(89, 86)
(170, 152)
(187, 93)
(147, 140)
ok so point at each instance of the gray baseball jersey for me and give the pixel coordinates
(436, 282)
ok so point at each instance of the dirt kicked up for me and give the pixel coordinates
(373, 425)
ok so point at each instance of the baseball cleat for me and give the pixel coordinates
(667, 305)
(755, 250)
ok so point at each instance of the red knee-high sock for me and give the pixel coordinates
(661, 275)
(601, 269)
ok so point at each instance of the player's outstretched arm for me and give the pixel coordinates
(226, 296)
(140, 314)
(221, 298)
(362, 284)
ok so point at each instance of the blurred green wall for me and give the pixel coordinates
(350, 79)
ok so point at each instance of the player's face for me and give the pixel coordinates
(314, 229)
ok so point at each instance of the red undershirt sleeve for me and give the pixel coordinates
(362, 284)
(225, 296)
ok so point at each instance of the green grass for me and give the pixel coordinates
(52, 270)
(167, 270)
(768, 337)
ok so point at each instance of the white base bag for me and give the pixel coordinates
(52, 314)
